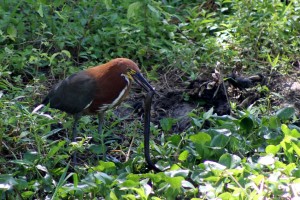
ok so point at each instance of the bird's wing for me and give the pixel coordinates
(73, 94)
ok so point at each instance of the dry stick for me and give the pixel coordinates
(128, 153)
(147, 108)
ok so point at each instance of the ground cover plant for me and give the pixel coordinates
(224, 123)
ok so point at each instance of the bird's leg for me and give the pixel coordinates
(74, 134)
(101, 120)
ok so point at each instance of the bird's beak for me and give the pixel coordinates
(139, 78)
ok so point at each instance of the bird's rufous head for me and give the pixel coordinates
(132, 71)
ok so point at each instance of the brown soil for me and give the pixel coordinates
(177, 95)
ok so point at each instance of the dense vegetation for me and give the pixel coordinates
(252, 154)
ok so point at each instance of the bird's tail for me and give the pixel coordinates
(37, 108)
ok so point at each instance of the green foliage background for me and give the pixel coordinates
(253, 155)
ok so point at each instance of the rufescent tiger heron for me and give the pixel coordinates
(97, 89)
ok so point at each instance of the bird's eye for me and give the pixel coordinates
(129, 73)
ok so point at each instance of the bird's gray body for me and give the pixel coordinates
(73, 94)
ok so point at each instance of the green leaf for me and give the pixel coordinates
(272, 149)
(154, 10)
(210, 165)
(174, 139)
(12, 32)
(133, 9)
(208, 114)
(197, 122)
(258, 179)
(296, 148)
(200, 138)
(295, 133)
(40, 10)
(112, 195)
(285, 113)
(103, 177)
(274, 62)
(130, 183)
(183, 155)
(175, 182)
(31, 156)
(274, 122)
(22, 184)
(27, 194)
(226, 195)
(187, 184)
(290, 168)
(219, 141)
(53, 57)
(128, 196)
(56, 148)
(141, 192)
(105, 166)
(96, 148)
(229, 160)
(247, 124)
(7, 182)
(167, 123)
(67, 53)
(24, 163)
(285, 129)
(108, 4)
(75, 179)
